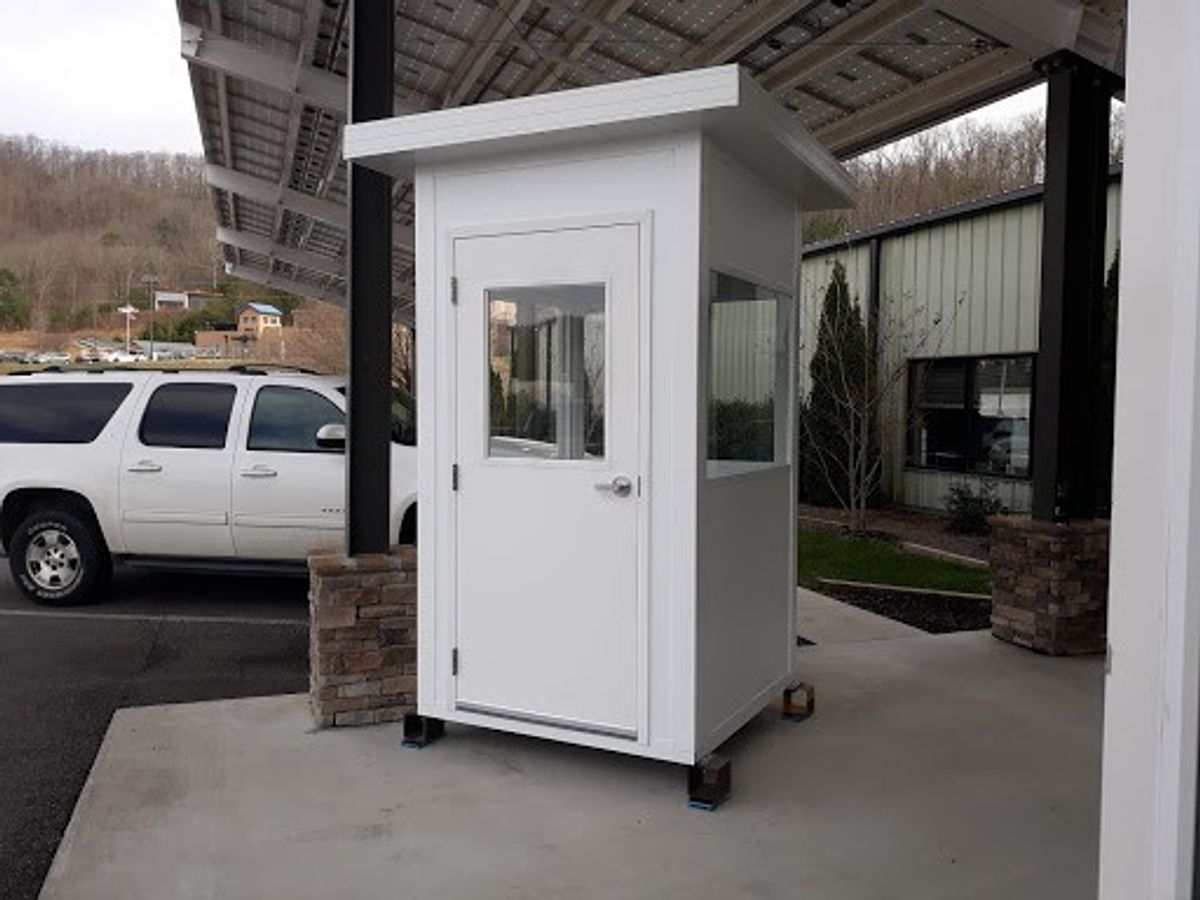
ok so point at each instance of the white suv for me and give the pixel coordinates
(236, 471)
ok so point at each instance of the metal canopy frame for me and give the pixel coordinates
(270, 84)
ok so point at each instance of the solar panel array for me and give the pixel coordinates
(269, 78)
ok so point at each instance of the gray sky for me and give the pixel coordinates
(96, 74)
(107, 74)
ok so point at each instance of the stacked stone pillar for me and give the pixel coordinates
(1050, 584)
(362, 637)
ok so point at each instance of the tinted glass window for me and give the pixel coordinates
(972, 415)
(57, 413)
(288, 419)
(188, 415)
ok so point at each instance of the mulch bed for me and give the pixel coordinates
(937, 615)
(917, 526)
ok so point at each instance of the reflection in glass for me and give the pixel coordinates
(972, 414)
(546, 359)
(748, 391)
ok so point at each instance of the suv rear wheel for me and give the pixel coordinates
(58, 558)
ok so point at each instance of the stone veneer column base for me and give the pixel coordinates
(1050, 584)
(362, 637)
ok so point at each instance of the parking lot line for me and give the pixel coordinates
(147, 617)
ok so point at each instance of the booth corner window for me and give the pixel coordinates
(748, 386)
(546, 372)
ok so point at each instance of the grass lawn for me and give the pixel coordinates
(826, 553)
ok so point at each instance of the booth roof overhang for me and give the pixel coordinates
(270, 86)
(723, 102)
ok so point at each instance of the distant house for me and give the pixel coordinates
(182, 301)
(259, 318)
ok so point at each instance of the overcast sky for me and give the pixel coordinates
(97, 74)
(107, 74)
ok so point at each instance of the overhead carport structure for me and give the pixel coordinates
(270, 85)
(270, 80)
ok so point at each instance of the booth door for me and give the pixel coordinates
(548, 500)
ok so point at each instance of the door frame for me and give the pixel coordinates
(644, 221)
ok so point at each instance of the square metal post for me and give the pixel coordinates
(1075, 208)
(368, 433)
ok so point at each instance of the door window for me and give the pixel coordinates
(546, 370)
(195, 416)
(287, 419)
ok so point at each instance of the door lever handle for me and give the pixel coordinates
(621, 486)
(259, 472)
(145, 465)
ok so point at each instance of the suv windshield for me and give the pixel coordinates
(404, 416)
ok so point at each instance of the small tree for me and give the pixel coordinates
(14, 305)
(854, 374)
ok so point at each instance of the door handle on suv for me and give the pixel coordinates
(145, 465)
(259, 472)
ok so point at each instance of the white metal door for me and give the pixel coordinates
(549, 498)
(288, 492)
(175, 470)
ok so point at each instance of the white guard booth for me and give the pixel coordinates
(606, 334)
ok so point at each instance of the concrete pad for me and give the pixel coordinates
(936, 767)
(824, 620)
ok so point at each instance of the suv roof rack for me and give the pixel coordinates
(235, 369)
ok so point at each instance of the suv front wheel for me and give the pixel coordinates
(58, 558)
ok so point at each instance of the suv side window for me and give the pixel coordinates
(58, 413)
(184, 414)
(287, 419)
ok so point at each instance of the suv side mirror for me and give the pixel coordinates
(332, 436)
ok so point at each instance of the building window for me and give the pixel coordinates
(971, 414)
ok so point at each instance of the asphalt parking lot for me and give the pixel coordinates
(162, 638)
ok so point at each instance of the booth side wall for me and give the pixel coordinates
(746, 523)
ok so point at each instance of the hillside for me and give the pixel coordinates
(79, 229)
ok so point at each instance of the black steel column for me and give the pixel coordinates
(368, 450)
(1077, 116)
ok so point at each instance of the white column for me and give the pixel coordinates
(1151, 700)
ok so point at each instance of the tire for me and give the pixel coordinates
(58, 558)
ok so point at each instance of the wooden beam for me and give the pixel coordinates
(595, 19)
(738, 33)
(987, 77)
(836, 43)
(492, 35)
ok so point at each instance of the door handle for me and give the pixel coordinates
(259, 472)
(145, 465)
(621, 486)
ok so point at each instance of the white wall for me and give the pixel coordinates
(1150, 747)
(745, 579)
(966, 287)
(659, 176)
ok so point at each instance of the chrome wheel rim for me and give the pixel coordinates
(52, 560)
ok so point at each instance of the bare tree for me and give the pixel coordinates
(855, 401)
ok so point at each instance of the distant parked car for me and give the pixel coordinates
(226, 471)
(53, 358)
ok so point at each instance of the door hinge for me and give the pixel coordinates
(454, 289)
(454, 477)
(454, 661)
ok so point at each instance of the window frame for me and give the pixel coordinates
(973, 430)
(323, 451)
(229, 422)
(786, 336)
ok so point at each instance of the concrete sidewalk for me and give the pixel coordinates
(936, 767)
(823, 620)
